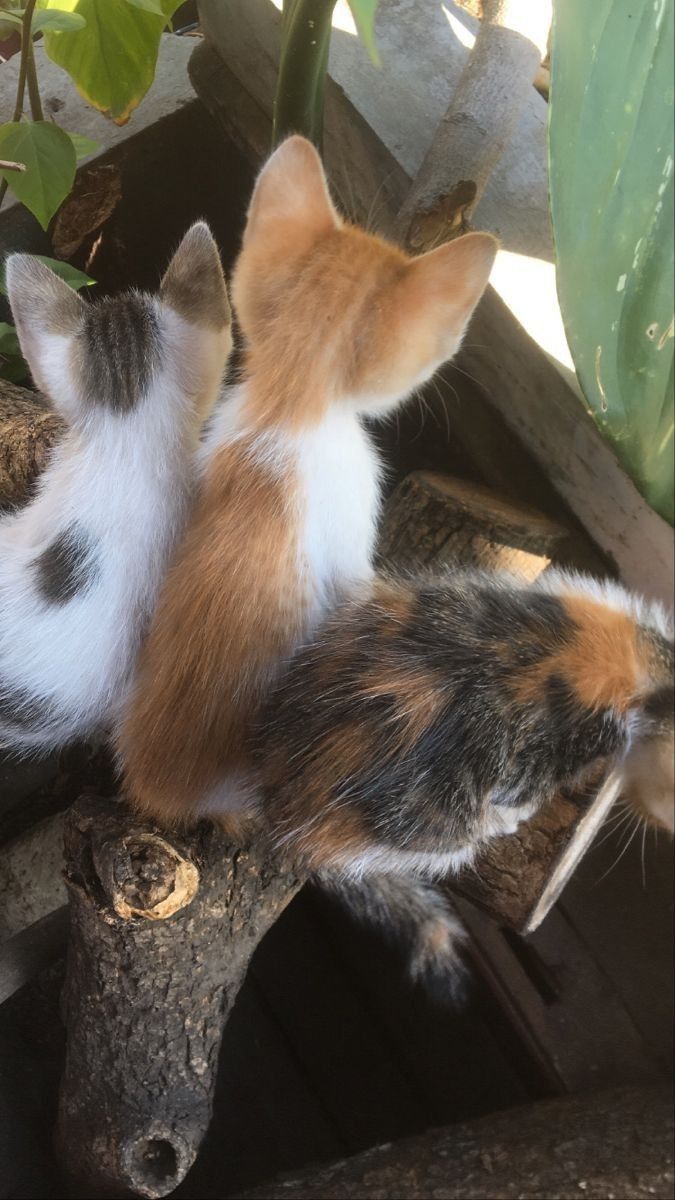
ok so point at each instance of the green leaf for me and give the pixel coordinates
(74, 278)
(611, 182)
(12, 364)
(83, 145)
(57, 21)
(305, 44)
(10, 18)
(363, 12)
(49, 156)
(151, 6)
(9, 342)
(112, 60)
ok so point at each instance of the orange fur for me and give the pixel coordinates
(330, 315)
(340, 830)
(602, 663)
(419, 698)
(231, 606)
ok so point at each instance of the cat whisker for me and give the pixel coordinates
(616, 862)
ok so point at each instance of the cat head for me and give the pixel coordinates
(128, 354)
(332, 313)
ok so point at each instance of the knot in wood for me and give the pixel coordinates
(150, 878)
(443, 220)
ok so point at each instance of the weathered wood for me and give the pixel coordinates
(162, 930)
(31, 882)
(28, 430)
(556, 997)
(617, 1143)
(434, 520)
(31, 951)
(479, 123)
(520, 877)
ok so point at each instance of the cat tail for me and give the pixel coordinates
(414, 916)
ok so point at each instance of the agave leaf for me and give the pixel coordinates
(611, 178)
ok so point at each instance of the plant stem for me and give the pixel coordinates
(298, 104)
(26, 52)
(33, 89)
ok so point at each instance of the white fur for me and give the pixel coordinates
(126, 479)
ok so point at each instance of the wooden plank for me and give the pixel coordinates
(453, 1054)
(315, 1005)
(566, 1010)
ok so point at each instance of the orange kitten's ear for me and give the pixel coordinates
(454, 277)
(292, 189)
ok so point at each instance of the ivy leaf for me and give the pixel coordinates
(57, 21)
(49, 157)
(363, 12)
(83, 145)
(112, 60)
(70, 275)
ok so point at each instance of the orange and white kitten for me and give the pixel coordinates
(338, 325)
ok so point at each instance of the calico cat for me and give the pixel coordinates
(133, 377)
(429, 716)
(338, 325)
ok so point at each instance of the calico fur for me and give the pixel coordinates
(80, 566)
(337, 325)
(429, 716)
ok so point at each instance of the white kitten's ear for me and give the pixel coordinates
(194, 284)
(291, 190)
(47, 314)
(454, 277)
(194, 289)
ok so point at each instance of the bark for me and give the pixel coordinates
(162, 930)
(28, 430)
(603, 1144)
(433, 520)
(478, 124)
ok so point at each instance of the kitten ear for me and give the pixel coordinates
(454, 277)
(194, 285)
(194, 288)
(46, 313)
(292, 189)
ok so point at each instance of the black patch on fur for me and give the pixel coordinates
(121, 347)
(660, 706)
(65, 567)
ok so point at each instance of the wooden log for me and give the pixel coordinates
(479, 122)
(28, 430)
(162, 930)
(617, 1143)
(434, 520)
